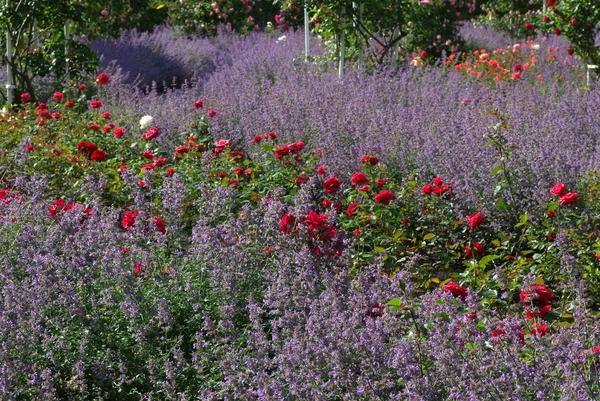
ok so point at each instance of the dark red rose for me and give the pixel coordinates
(86, 148)
(287, 223)
(331, 185)
(296, 147)
(359, 178)
(543, 293)
(281, 151)
(351, 209)
(384, 197)
(198, 104)
(98, 155)
(456, 290)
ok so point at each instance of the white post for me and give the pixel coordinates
(590, 67)
(10, 84)
(36, 35)
(395, 49)
(342, 46)
(306, 32)
(67, 37)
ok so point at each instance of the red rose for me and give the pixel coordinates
(543, 293)
(327, 205)
(365, 188)
(58, 96)
(160, 161)
(551, 213)
(380, 183)
(106, 129)
(557, 31)
(170, 171)
(331, 185)
(287, 223)
(180, 150)
(56, 207)
(211, 113)
(525, 298)
(25, 97)
(570, 52)
(160, 225)
(98, 155)
(359, 178)
(86, 148)
(544, 310)
(558, 189)
(568, 198)
(301, 180)
(351, 209)
(384, 197)
(529, 26)
(221, 145)
(321, 170)
(546, 19)
(82, 87)
(119, 132)
(296, 147)
(106, 115)
(103, 79)
(94, 127)
(129, 219)
(69, 104)
(475, 220)
(427, 189)
(438, 182)
(281, 151)
(372, 160)
(96, 104)
(257, 139)
(148, 154)
(456, 290)
(152, 133)
(198, 104)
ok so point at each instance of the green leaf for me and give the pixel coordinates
(497, 169)
(379, 249)
(471, 346)
(443, 316)
(490, 294)
(158, 7)
(486, 259)
(501, 204)
(428, 236)
(395, 302)
(553, 205)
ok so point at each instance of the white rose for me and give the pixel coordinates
(536, 47)
(146, 122)
(282, 38)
